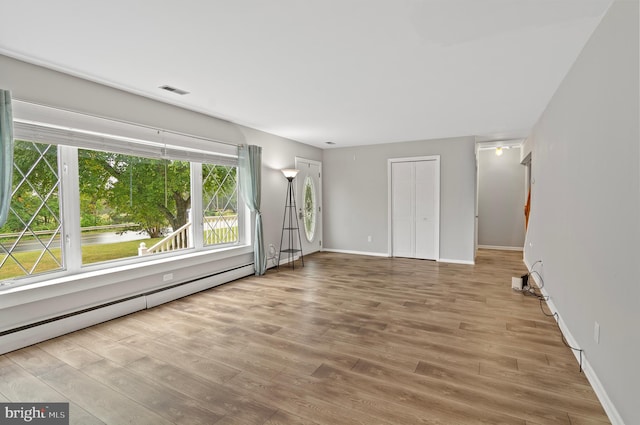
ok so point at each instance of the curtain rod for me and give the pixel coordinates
(178, 133)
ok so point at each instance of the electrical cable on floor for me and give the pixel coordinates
(564, 340)
(541, 280)
(529, 290)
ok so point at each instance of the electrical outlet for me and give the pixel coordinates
(369, 238)
(596, 332)
(167, 277)
(516, 283)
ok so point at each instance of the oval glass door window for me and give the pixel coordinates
(309, 209)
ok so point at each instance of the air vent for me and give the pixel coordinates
(174, 90)
(330, 143)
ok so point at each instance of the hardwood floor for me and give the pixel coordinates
(344, 340)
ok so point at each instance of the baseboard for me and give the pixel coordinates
(346, 251)
(598, 388)
(30, 336)
(502, 248)
(285, 261)
(73, 322)
(446, 260)
(380, 254)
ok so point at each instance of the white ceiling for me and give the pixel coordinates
(351, 72)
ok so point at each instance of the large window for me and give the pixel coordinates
(126, 200)
(75, 205)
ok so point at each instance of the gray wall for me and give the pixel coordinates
(355, 195)
(277, 153)
(39, 85)
(585, 215)
(501, 198)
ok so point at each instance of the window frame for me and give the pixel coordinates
(69, 193)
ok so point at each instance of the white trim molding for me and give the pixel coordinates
(30, 336)
(453, 261)
(64, 325)
(346, 251)
(502, 248)
(592, 377)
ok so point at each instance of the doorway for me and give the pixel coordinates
(414, 207)
(309, 203)
(501, 195)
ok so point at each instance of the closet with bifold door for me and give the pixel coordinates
(415, 207)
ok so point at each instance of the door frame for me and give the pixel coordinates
(390, 162)
(320, 212)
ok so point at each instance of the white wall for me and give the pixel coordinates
(356, 204)
(585, 211)
(501, 198)
(39, 85)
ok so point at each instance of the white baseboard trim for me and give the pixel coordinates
(598, 388)
(57, 327)
(346, 251)
(446, 260)
(381, 254)
(502, 248)
(30, 336)
(284, 261)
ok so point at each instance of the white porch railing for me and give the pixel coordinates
(218, 230)
(177, 240)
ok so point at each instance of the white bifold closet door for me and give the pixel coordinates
(414, 209)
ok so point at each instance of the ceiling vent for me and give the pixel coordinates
(174, 90)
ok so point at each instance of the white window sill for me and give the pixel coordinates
(154, 273)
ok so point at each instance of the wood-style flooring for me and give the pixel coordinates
(345, 340)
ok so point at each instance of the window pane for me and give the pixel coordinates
(30, 239)
(309, 209)
(127, 200)
(220, 204)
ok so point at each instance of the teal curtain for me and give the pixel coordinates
(250, 169)
(6, 154)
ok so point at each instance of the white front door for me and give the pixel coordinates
(309, 203)
(414, 207)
